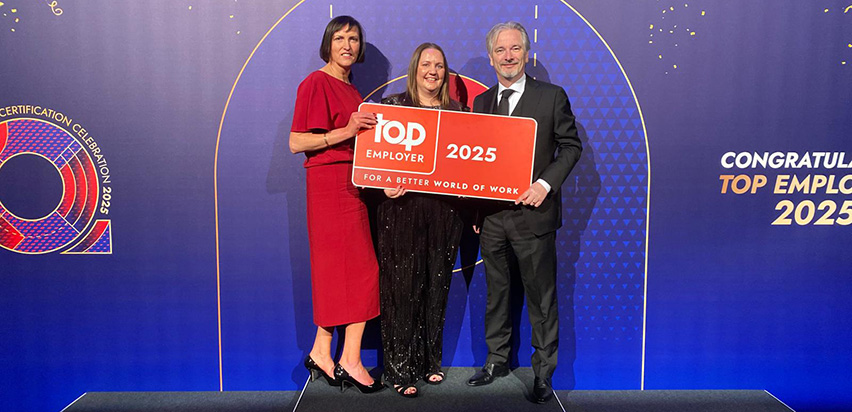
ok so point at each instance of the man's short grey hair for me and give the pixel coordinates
(509, 25)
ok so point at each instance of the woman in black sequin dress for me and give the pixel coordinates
(418, 237)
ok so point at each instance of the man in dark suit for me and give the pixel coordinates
(522, 237)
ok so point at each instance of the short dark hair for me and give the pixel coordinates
(335, 25)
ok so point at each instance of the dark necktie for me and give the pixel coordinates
(503, 106)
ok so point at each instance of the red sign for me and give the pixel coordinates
(445, 152)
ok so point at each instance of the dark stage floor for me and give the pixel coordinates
(507, 394)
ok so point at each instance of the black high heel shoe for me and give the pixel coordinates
(439, 373)
(343, 377)
(316, 372)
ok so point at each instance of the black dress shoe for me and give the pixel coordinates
(346, 380)
(542, 391)
(317, 372)
(487, 374)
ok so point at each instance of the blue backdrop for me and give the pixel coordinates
(189, 267)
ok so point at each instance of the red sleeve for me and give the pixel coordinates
(312, 109)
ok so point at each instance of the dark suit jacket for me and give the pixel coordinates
(557, 147)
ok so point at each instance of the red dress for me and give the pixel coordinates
(344, 272)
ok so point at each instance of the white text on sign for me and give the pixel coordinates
(465, 152)
(404, 135)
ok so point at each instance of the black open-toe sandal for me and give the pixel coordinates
(430, 381)
(401, 389)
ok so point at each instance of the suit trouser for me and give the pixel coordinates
(509, 247)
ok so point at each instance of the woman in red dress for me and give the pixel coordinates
(344, 272)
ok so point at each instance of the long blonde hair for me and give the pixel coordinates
(411, 83)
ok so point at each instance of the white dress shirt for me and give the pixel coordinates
(514, 98)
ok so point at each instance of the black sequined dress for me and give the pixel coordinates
(418, 238)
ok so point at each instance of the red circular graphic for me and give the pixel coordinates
(80, 187)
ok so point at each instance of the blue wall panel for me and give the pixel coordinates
(207, 282)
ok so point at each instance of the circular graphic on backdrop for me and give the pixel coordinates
(40, 176)
(607, 192)
(23, 138)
